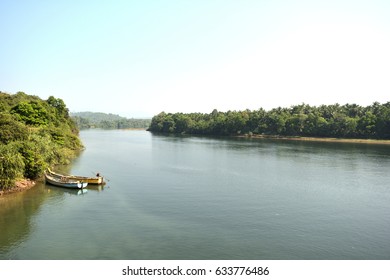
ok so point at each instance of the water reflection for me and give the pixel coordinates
(97, 188)
(59, 191)
(16, 212)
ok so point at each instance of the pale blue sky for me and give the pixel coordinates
(138, 58)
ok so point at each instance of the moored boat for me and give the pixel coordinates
(98, 180)
(64, 182)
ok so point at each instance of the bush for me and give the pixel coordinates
(11, 129)
(11, 165)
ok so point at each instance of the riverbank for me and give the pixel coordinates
(20, 186)
(317, 139)
(134, 128)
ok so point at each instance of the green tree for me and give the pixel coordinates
(276, 121)
(11, 129)
(335, 120)
(168, 125)
(157, 122)
(38, 153)
(31, 113)
(183, 123)
(59, 105)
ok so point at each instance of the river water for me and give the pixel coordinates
(187, 197)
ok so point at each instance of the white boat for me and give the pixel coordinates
(65, 182)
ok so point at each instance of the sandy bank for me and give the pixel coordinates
(21, 185)
(319, 139)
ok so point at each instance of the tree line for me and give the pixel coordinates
(34, 134)
(340, 121)
(85, 120)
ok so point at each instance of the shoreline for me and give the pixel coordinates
(21, 185)
(134, 128)
(318, 139)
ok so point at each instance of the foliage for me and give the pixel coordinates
(31, 113)
(85, 120)
(59, 105)
(344, 121)
(34, 134)
(11, 165)
(11, 129)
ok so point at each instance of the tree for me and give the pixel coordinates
(276, 121)
(295, 124)
(31, 113)
(183, 123)
(11, 129)
(349, 120)
(59, 105)
(168, 125)
(157, 122)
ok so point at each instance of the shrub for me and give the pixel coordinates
(11, 166)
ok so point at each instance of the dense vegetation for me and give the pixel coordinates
(341, 121)
(86, 120)
(34, 134)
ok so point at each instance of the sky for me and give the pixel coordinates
(139, 58)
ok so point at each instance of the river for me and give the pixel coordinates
(183, 197)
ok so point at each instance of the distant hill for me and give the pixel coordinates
(85, 120)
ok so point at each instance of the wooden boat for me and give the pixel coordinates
(64, 182)
(98, 180)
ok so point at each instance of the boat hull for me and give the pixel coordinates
(89, 180)
(99, 180)
(65, 182)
